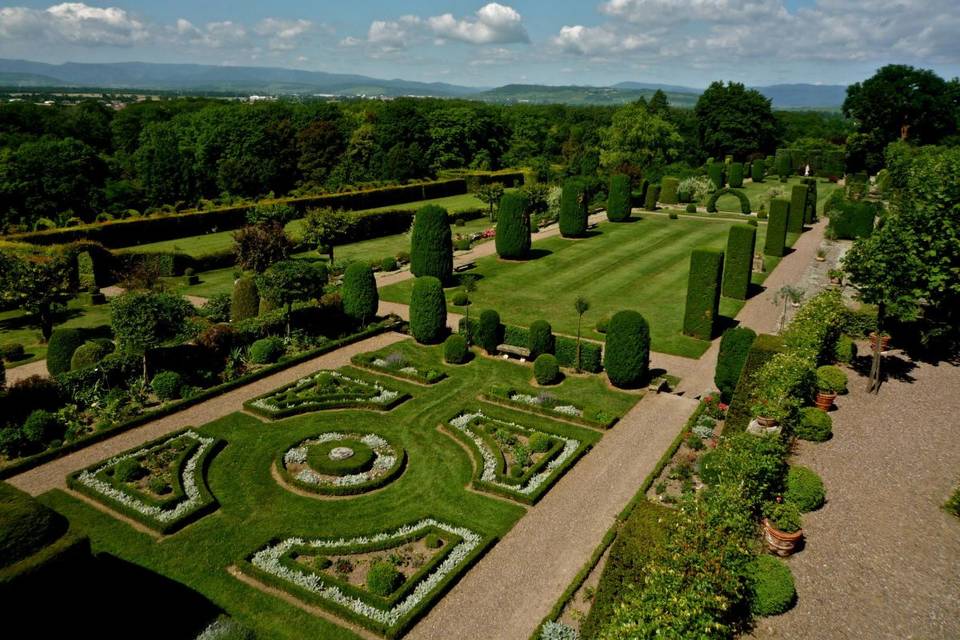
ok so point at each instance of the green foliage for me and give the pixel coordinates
(618, 198)
(359, 293)
(490, 331)
(953, 503)
(717, 176)
(757, 171)
(740, 413)
(540, 338)
(245, 301)
(703, 293)
(574, 203)
(627, 353)
(513, 228)
(291, 281)
(651, 197)
(279, 213)
(798, 205)
(815, 425)
(60, 350)
(545, 369)
(716, 195)
(831, 379)
(26, 526)
(388, 264)
(753, 463)
(455, 349)
(691, 208)
(846, 350)
(777, 228)
(266, 350)
(734, 120)
(738, 261)
(90, 353)
(784, 167)
(736, 175)
(816, 327)
(431, 245)
(804, 488)
(783, 516)
(433, 541)
(850, 220)
(639, 137)
(734, 348)
(428, 310)
(167, 385)
(143, 320)
(259, 246)
(773, 588)
(668, 190)
(460, 299)
(41, 428)
(36, 283)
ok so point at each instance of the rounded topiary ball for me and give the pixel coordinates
(815, 425)
(383, 578)
(42, 427)
(804, 488)
(167, 385)
(546, 370)
(90, 353)
(773, 591)
(455, 349)
(460, 299)
(266, 350)
(691, 208)
(63, 343)
(627, 354)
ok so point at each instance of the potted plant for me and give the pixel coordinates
(882, 337)
(830, 381)
(781, 527)
(769, 411)
(836, 276)
(821, 255)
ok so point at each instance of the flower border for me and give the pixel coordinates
(385, 399)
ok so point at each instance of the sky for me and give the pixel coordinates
(562, 42)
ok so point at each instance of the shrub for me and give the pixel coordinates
(3, 377)
(734, 347)
(388, 264)
(784, 516)
(755, 462)
(455, 349)
(12, 351)
(651, 198)
(460, 299)
(60, 350)
(668, 191)
(804, 488)
(738, 261)
(218, 340)
(266, 350)
(777, 228)
(846, 350)
(490, 331)
(540, 339)
(740, 195)
(715, 171)
(815, 425)
(798, 206)
(26, 527)
(461, 244)
(245, 302)
(574, 202)
(601, 326)
(618, 198)
(359, 293)
(41, 427)
(831, 379)
(433, 541)
(703, 293)
(545, 369)
(513, 228)
(627, 353)
(428, 310)
(217, 308)
(90, 353)
(538, 442)
(773, 588)
(167, 385)
(850, 220)
(691, 208)
(757, 171)
(431, 246)
(383, 578)
(736, 175)
(784, 167)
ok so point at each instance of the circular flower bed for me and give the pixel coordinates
(342, 463)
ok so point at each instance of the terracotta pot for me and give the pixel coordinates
(821, 259)
(780, 542)
(884, 341)
(767, 423)
(825, 400)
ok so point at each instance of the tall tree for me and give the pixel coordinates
(40, 284)
(326, 228)
(144, 320)
(639, 139)
(734, 120)
(292, 281)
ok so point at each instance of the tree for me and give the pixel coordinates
(164, 165)
(428, 310)
(513, 228)
(431, 245)
(143, 320)
(261, 245)
(734, 120)
(320, 145)
(39, 284)
(327, 228)
(291, 281)
(581, 305)
(490, 195)
(360, 297)
(638, 138)
(626, 355)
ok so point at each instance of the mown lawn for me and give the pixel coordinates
(761, 193)
(641, 265)
(254, 508)
(17, 327)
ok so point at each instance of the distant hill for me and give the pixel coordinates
(546, 94)
(799, 96)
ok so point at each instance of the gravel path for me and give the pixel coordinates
(52, 475)
(882, 558)
(18, 373)
(516, 584)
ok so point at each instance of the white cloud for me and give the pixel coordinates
(678, 11)
(283, 35)
(603, 40)
(394, 34)
(74, 23)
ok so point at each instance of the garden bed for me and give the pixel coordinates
(326, 389)
(546, 404)
(396, 364)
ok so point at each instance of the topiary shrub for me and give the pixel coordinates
(777, 228)
(513, 228)
(266, 350)
(736, 175)
(738, 261)
(703, 293)
(245, 302)
(428, 310)
(804, 488)
(691, 208)
(740, 195)
(63, 342)
(784, 167)
(626, 356)
(546, 370)
(757, 171)
(455, 349)
(12, 351)
(90, 353)
(618, 198)
(715, 171)
(433, 541)
(3, 377)
(383, 578)
(831, 379)
(846, 350)
(773, 589)
(388, 264)
(601, 326)
(540, 338)
(167, 385)
(359, 293)
(574, 202)
(42, 427)
(460, 299)
(26, 526)
(668, 191)
(651, 198)
(814, 425)
(489, 331)
(734, 347)
(431, 245)
(798, 205)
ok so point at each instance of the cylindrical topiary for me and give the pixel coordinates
(431, 245)
(618, 198)
(428, 310)
(804, 488)
(359, 293)
(703, 293)
(784, 168)
(734, 347)
(626, 356)
(669, 188)
(738, 261)
(546, 370)
(777, 228)
(736, 175)
(245, 302)
(489, 331)
(653, 195)
(798, 207)
(513, 228)
(63, 342)
(773, 588)
(574, 203)
(90, 353)
(455, 349)
(715, 173)
(540, 338)
(758, 171)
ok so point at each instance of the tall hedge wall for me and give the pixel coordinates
(777, 228)
(758, 170)
(618, 198)
(738, 261)
(428, 310)
(716, 173)
(798, 207)
(734, 347)
(431, 245)
(626, 356)
(574, 203)
(736, 175)
(668, 190)
(703, 293)
(513, 227)
(764, 347)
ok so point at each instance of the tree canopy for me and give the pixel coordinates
(734, 120)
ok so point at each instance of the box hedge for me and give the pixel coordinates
(668, 191)
(734, 347)
(738, 261)
(653, 195)
(626, 356)
(703, 293)
(428, 310)
(776, 242)
(764, 347)
(574, 202)
(736, 175)
(513, 227)
(565, 348)
(618, 198)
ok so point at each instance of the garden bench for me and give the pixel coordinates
(520, 352)
(592, 225)
(466, 266)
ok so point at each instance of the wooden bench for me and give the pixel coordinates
(520, 352)
(592, 225)
(466, 266)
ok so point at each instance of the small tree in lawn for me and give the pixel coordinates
(143, 320)
(327, 228)
(292, 281)
(360, 297)
(490, 195)
(39, 284)
(581, 305)
(261, 245)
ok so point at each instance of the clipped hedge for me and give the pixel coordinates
(618, 198)
(428, 310)
(764, 347)
(546, 370)
(63, 343)
(734, 348)
(719, 193)
(738, 261)
(565, 348)
(736, 175)
(773, 589)
(651, 198)
(245, 300)
(574, 203)
(668, 191)
(455, 349)
(626, 356)
(431, 244)
(815, 425)
(26, 526)
(513, 227)
(810, 211)
(798, 208)
(703, 293)
(359, 293)
(776, 242)
(757, 171)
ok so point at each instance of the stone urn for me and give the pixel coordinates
(825, 400)
(780, 542)
(767, 423)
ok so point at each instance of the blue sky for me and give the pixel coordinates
(689, 42)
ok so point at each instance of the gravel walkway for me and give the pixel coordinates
(20, 372)
(52, 475)
(516, 584)
(882, 558)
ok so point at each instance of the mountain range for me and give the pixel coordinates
(196, 78)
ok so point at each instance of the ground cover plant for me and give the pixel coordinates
(326, 389)
(549, 404)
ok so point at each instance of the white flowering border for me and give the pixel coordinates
(379, 397)
(410, 372)
(488, 475)
(196, 498)
(269, 561)
(387, 462)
